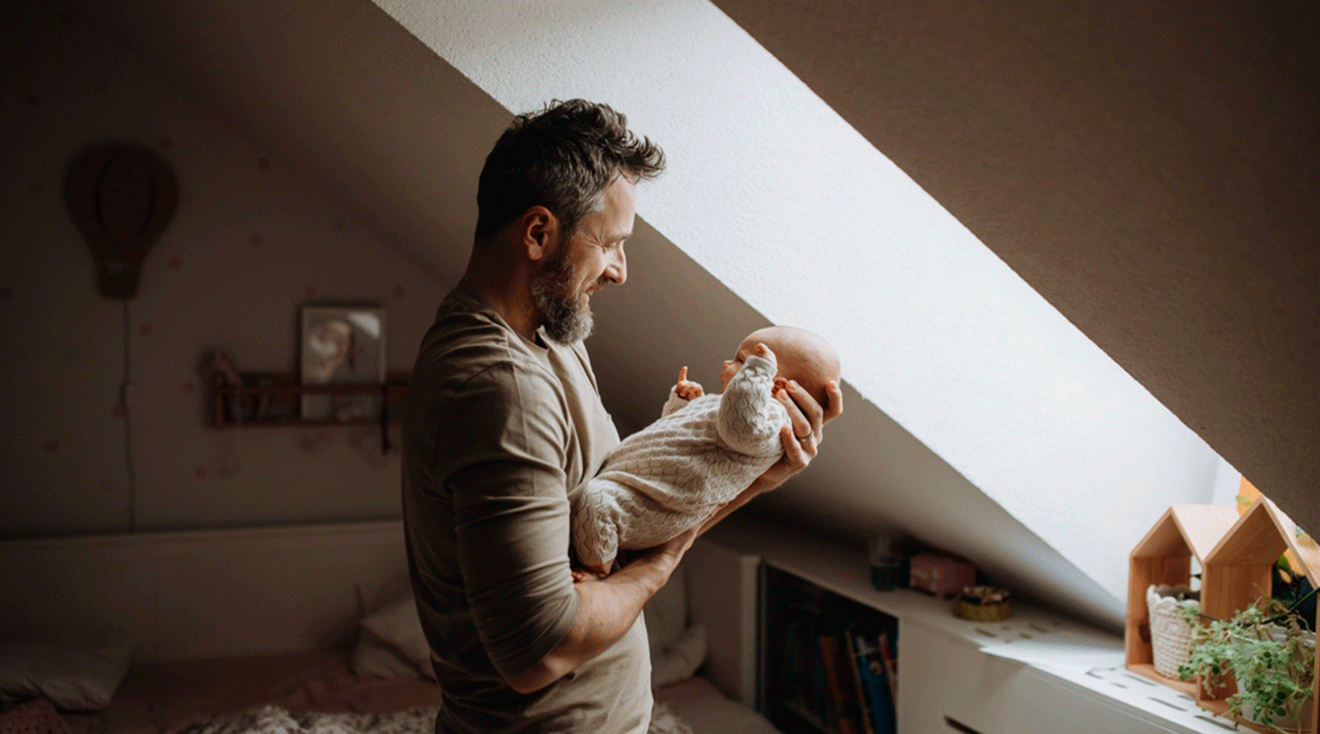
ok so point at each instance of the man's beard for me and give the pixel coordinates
(565, 317)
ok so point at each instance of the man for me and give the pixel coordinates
(503, 423)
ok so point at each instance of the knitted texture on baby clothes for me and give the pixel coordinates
(672, 474)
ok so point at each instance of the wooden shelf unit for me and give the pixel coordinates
(1237, 573)
(1236, 554)
(1164, 557)
(274, 399)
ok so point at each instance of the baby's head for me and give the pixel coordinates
(802, 356)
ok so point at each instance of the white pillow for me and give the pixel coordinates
(680, 660)
(74, 676)
(677, 650)
(375, 657)
(398, 626)
(666, 612)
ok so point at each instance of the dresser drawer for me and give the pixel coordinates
(948, 686)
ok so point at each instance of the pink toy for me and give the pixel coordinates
(940, 576)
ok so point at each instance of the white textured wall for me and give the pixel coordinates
(781, 200)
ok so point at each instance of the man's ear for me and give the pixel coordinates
(539, 228)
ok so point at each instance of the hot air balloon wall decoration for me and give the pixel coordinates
(121, 196)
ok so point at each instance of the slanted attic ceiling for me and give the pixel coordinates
(1152, 169)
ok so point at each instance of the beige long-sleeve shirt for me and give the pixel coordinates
(498, 433)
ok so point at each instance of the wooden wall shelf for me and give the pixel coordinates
(274, 399)
(1164, 556)
(1236, 555)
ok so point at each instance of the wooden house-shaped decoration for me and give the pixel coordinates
(1237, 572)
(1164, 556)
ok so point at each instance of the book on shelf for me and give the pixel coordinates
(843, 688)
(850, 639)
(891, 663)
(874, 681)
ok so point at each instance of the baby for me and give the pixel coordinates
(703, 452)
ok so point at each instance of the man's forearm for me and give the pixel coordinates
(607, 609)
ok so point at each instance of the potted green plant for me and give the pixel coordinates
(1268, 649)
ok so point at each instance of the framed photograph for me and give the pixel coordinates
(342, 345)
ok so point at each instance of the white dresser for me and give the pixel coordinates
(1036, 672)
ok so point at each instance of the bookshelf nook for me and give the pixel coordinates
(834, 662)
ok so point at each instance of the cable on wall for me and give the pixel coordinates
(125, 395)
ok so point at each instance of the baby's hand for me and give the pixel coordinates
(764, 352)
(591, 573)
(686, 389)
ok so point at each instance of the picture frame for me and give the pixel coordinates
(342, 344)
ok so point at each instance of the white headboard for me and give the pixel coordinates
(225, 593)
(203, 593)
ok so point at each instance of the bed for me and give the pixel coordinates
(299, 629)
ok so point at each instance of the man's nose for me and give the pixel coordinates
(617, 270)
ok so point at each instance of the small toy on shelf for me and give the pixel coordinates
(982, 603)
(940, 576)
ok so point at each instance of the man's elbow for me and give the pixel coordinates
(534, 678)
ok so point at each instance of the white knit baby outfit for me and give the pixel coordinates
(672, 474)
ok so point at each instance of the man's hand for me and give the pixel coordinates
(686, 389)
(802, 437)
(801, 440)
(672, 551)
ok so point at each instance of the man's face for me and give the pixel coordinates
(591, 257)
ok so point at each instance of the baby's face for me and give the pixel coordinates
(731, 366)
(798, 355)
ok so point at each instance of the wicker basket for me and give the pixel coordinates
(1170, 635)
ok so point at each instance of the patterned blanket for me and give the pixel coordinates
(277, 720)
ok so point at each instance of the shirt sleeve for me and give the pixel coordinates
(511, 512)
(749, 417)
(673, 403)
